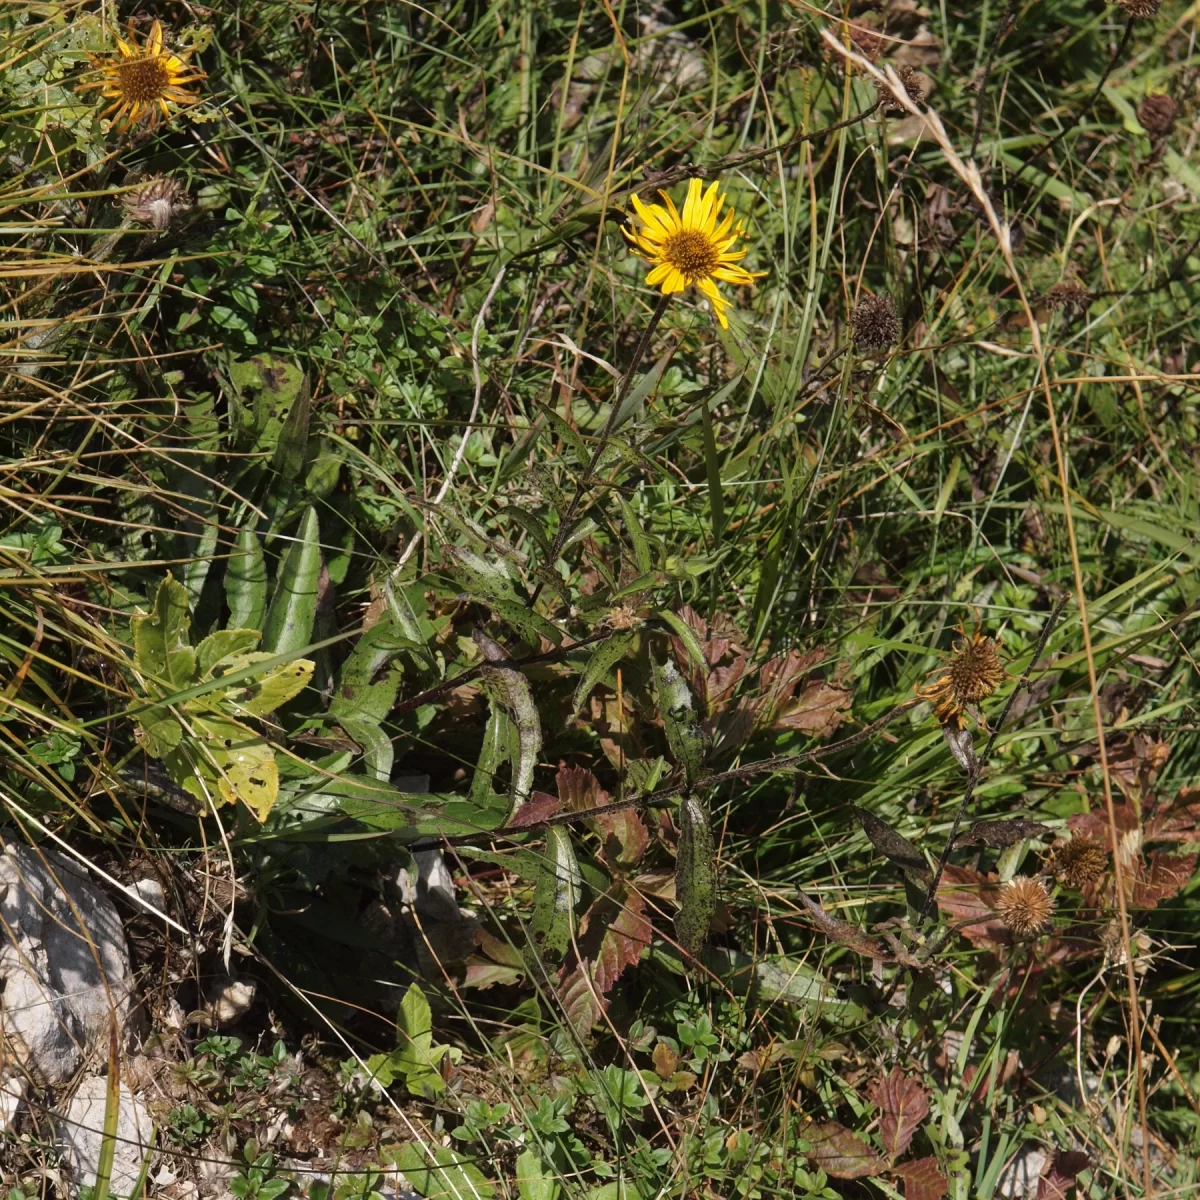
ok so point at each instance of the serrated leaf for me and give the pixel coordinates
(511, 689)
(246, 581)
(160, 637)
(289, 622)
(903, 1104)
(626, 938)
(923, 1179)
(839, 1153)
(684, 735)
(224, 643)
(606, 655)
(695, 876)
(556, 894)
(624, 836)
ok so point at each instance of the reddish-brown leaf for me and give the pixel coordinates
(579, 789)
(1164, 876)
(903, 1104)
(967, 896)
(840, 1153)
(624, 835)
(627, 935)
(923, 1179)
(1058, 1176)
(818, 710)
(538, 808)
(581, 1004)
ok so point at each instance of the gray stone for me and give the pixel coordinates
(81, 1136)
(1020, 1176)
(64, 966)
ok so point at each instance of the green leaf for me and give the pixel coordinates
(415, 1057)
(557, 893)
(510, 688)
(226, 762)
(293, 610)
(535, 1179)
(695, 876)
(361, 690)
(440, 1173)
(246, 582)
(684, 735)
(160, 735)
(686, 634)
(531, 625)
(481, 577)
(566, 434)
(492, 754)
(606, 655)
(160, 637)
(259, 695)
(637, 535)
(291, 450)
(224, 643)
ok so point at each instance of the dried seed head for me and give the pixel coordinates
(156, 202)
(874, 322)
(910, 80)
(973, 674)
(1138, 10)
(1079, 861)
(1068, 296)
(1025, 906)
(1156, 114)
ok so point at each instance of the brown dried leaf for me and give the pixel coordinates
(581, 1005)
(894, 846)
(999, 834)
(624, 835)
(1164, 876)
(627, 935)
(903, 1104)
(923, 1179)
(665, 1061)
(840, 1153)
(540, 806)
(1058, 1176)
(844, 933)
(818, 710)
(968, 896)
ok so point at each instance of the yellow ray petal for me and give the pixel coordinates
(154, 41)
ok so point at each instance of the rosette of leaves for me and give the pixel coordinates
(197, 705)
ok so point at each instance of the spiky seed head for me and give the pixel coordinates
(1068, 295)
(910, 80)
(874, 322)
(1156, 114)
(1079, 862)
(1139, 10)
(1025, 905)
(156, 202)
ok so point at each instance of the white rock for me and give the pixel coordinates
(12, 1092)
(64, 966)
(81, 1136)
(1020, 1176)
(228, 1001)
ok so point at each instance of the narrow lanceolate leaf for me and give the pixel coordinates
(903, 1104)
(695, 876)
(492, 754)
(557, 893)
(293, 610)
(246, 582)
(531, 625)
(481, 577)
(604, 658)
(637, 535)
(291, 451)
(686, 634)
(511, 689)
(684, 735)
(894, 846)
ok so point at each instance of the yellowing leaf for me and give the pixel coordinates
(228, 762)
(160, 637)
(262, 694)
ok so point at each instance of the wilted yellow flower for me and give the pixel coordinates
(973, 674)
(694, 247)
(143, 81)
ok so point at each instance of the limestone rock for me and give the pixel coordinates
(81, 1135)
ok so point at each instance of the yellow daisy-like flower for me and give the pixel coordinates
(694, 247)
(143, 81)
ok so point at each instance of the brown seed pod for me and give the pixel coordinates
(1139, 10)
(1068, 296)
(1079, 862)
(973, 674)
(874, 322)
(910, 79)
(1156, 114)
(156, 202)
(1025, 905)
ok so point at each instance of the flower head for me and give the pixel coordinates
(874, 322)
(1138, 10)
(1079, 861)
(694, 247)
(156, 202)
(973, 674)
(1156, 114)
(1069, 295)
(143, 81)
(914, 87)
(1025, 905)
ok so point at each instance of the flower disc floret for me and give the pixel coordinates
(692, 248)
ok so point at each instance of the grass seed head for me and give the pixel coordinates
(874, 322)
(1025, 905)
(1156, 114)
(156, 202)
(1080, 861)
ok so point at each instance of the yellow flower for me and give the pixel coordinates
(692, 248)
(144, 81)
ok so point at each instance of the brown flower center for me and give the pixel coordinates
(692, 253)
(977, 671)
(143, 79)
